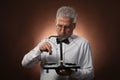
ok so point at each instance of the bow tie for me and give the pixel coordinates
(65, 41)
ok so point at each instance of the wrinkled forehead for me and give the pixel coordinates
(64, 20)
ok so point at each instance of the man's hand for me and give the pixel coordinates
(46, 47)
(64, 72)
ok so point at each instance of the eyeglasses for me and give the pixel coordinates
(59, 26)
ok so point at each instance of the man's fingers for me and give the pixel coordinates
(46, 47)
(49, 47)
(48, 44)
(62, 71)
(42, 48)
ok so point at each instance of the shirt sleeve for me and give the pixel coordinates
(32, 57)
(86, 71)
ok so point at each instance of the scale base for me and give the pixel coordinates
(67, 66)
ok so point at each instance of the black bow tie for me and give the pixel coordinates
(65, 41)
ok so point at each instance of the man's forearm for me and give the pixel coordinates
(31, 58)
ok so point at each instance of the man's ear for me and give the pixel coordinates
(55, 21)
(74, 25)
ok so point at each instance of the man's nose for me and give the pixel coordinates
(63, 30)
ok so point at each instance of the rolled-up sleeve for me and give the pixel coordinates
(31, 58)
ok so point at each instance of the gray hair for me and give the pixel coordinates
(66, 11)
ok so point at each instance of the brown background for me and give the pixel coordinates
(25, 23)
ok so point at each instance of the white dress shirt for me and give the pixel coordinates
(78, 51)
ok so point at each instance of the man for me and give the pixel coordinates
(75, 50)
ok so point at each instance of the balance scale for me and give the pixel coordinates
(61, 65)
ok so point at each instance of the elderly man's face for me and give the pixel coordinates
(64, 27)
